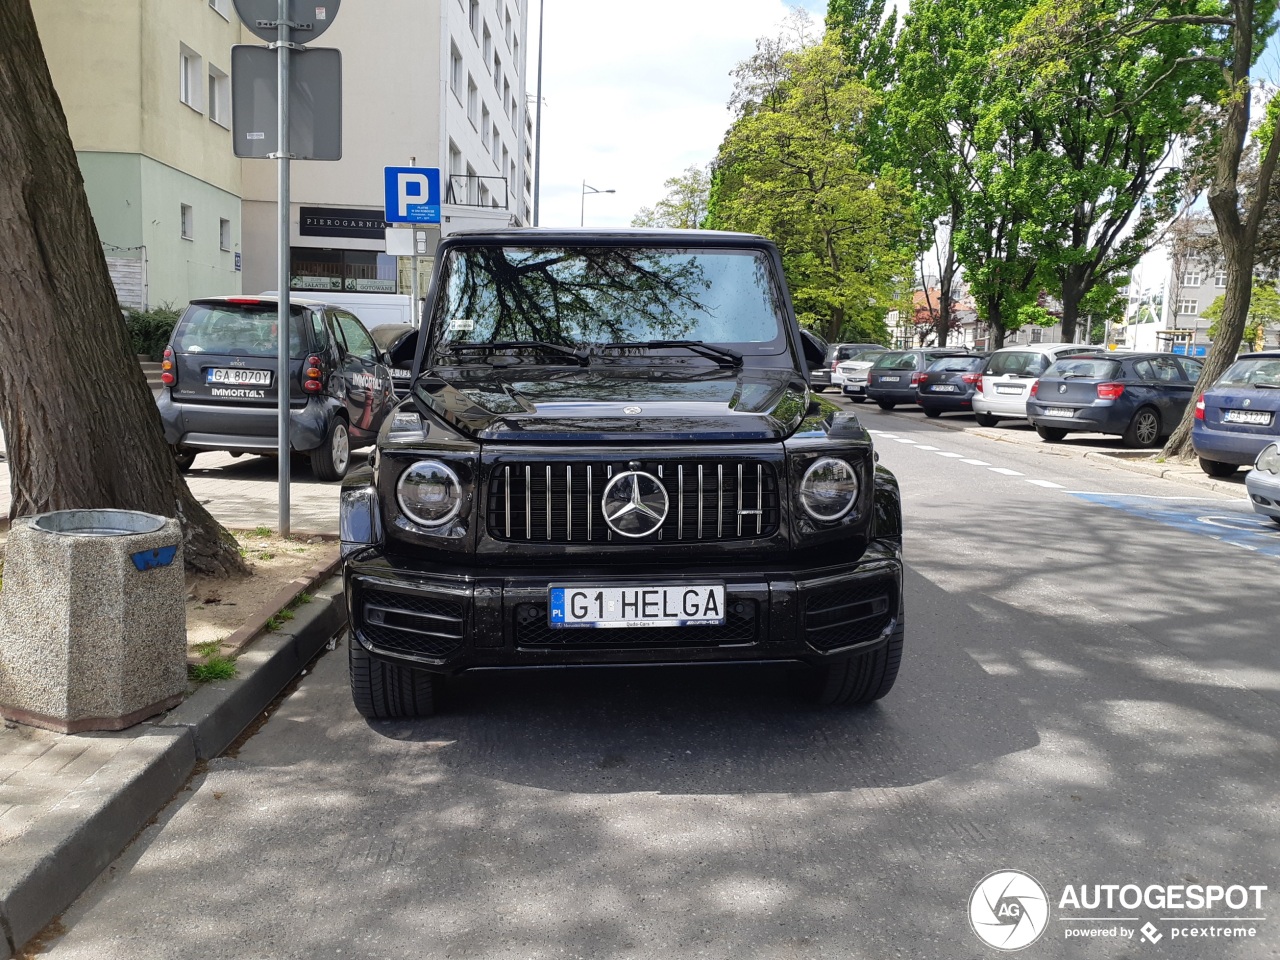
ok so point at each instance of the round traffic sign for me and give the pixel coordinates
(314, 17)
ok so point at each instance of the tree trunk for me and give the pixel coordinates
(1072, 293)
(80, 422)
(946, 283)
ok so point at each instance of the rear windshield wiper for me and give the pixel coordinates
(1267, 386)
(722, 355)
(578, 357)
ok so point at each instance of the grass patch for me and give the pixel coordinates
(262, 531)
(276, 621)
(266, 555)
(300, 599)
(208, 649)
(215, 668)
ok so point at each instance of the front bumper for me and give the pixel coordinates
(1264, 492)
(447, 619)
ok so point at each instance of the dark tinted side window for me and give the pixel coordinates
(1024, 362)
(958, 364)
(358, 340)
(1192, 368)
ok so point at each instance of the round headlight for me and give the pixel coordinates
(429, 493)
(1269, 459)
(829, 489)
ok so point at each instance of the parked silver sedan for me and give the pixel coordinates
(1263, 483)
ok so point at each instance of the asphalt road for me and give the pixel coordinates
(1091, 694)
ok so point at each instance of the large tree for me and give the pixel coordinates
(792, 167)
(684, 206)
(80, 423)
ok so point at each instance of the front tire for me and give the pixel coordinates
(863, 679)
(933, 413)
(388, 691)
(1216, 468)
(1050, 434)
(332, 458)
(885, 404)
(985, 419)
(1143, 429)
(856, 398)
(183, 459)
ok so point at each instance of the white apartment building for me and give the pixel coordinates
(428, 84)
(146, 87)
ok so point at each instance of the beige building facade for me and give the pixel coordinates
(146, 88)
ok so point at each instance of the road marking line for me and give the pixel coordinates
(1007, 472)
(944, 453)
(923, 447)
(1045, 483)
(905, 440)
(977, 463)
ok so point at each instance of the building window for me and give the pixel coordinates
(1188, 308)
(455, 160)
(473, 99)
(497, 73)
(484, 195)
(505, 161)
(473, 18)
(221, 7)
(508, 101)
(1192, 277)
(188, 231)
(224, 234)
(497, 147)
(486, 127)
(1220, 278)
(507, 29)
(473, 185)
(190, 77)
(455, 72)
(219, 97)
(515, 51)
(515, 112)
(487, 45)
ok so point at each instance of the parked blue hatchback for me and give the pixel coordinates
(1139, 397)
(1238, 415)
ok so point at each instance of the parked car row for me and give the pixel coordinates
(1068, 388)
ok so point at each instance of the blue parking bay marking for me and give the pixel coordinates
(1228, 521)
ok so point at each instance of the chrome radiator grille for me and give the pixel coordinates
(561, 502)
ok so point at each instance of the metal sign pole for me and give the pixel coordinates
(284, 385)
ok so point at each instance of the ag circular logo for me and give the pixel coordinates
(1008, 910)
(635, 503)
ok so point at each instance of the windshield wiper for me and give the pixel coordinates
(579, 358)
(722, 355)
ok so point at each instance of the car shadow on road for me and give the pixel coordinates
(724, 729)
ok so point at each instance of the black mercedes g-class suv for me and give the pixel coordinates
(610, 455)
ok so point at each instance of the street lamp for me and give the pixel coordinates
(582, 214)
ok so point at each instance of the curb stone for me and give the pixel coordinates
(49, 866)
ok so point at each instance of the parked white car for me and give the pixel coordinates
(851, 376)
(1006, 382)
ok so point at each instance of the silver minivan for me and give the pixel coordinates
(1006, 381)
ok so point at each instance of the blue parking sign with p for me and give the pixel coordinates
(412, 194)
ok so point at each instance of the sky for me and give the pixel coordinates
(633, 93)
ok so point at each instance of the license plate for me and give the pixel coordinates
(1258, 417)
(685, 605)
(1003, 388)
(400, 374)
(231, 375)
(852, 387)
(890, 379)
(943, 388)
(1059, 412)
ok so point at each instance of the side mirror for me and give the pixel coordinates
(815, 351)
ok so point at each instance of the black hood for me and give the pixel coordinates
(616, 403)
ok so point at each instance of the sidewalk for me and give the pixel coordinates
(70, 804)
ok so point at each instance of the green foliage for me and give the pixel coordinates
(1264, 311)
(149, 330)
(213, 669)
(685, 205)
(793, 167)
(208, 648)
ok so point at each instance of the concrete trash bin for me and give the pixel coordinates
(93, 620)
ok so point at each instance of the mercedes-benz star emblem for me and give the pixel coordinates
(635, 503)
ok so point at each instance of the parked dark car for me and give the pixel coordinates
(1238, 415)
(398, 342)
(895, 375)
(837, 353)
(219, 375)
(610, 456)
(1138, 397)
(949, 384)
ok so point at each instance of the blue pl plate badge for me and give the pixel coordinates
(162, 557)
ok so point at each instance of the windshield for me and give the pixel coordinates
(236, 330)
(1017, 363)
(1094, 369)
(896, 361)
(576, 296)
(1258, 372)
(957, 364)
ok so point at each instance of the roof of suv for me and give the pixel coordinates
(524, 236)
